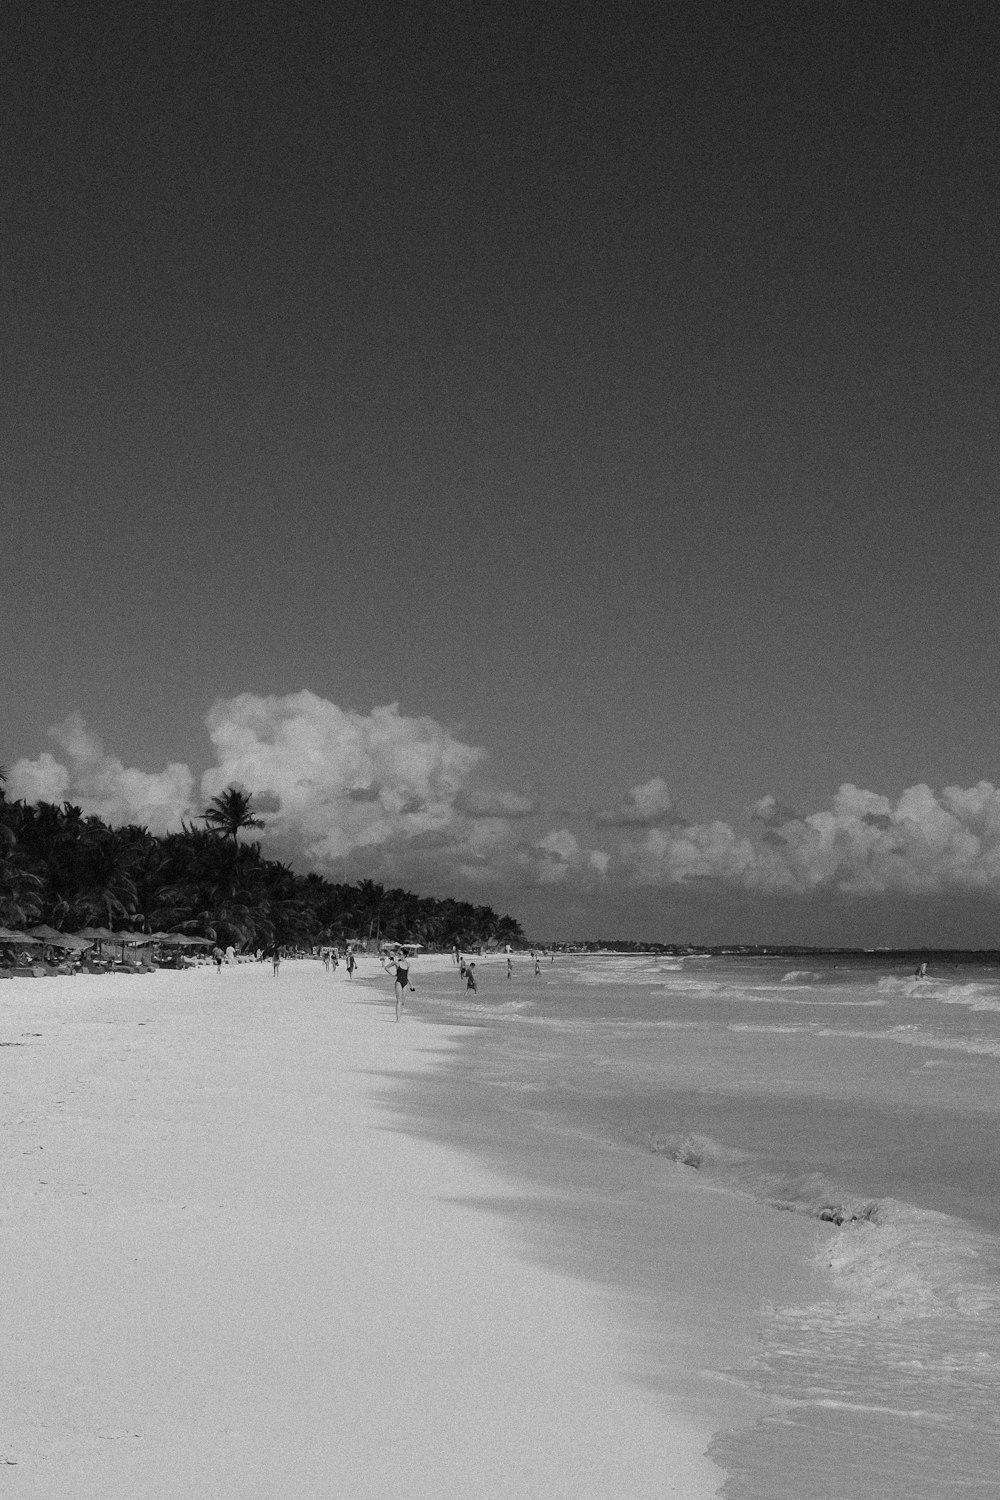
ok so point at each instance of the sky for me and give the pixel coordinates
(546, 453)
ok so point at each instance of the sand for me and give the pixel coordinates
(227, 1273)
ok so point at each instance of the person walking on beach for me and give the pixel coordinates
(510, 967)
(217, 958)
(470, 978)
(538, 967)
(400, 970)
(326, 959)
(351, 966)
(275, 958)
(230, 954)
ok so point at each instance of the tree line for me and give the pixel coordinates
(71, 870)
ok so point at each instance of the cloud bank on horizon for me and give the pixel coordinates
(417, 802)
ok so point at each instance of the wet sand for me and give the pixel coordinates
(228, 1271)
(688, 1270)
(838, 1098)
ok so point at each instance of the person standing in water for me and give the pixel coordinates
(510, 967)
(538, 967)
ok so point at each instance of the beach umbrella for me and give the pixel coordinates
(74, 942)
(56, 939)
(8, 935)
(181, 940)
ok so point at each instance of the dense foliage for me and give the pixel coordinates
(61, 867)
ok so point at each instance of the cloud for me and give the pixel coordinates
(336, 780)
(488, 802)
(100, 783)
(412, 802)
(863, 845)
(770, 811)
(644, 806)
(558, 858)
(327, 782)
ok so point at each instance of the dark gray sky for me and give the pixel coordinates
(613, 385)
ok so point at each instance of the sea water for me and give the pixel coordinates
(839, 1090)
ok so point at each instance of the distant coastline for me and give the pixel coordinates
(778, 950)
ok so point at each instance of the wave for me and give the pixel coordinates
(892, 984)
(685, 1148)
(895, 1372)
(907, 1035)
(809, 1194)
(975, 994)
(625, 971)
(904, 1261)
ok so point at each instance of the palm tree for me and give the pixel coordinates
(230, 811)
(108, 892)
(369, 905)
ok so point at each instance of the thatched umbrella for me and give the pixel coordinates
(69, 941)
(8, 935)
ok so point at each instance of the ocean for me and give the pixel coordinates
(855, 1106)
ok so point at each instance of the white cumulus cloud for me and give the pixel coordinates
(558, 858)
(336, 780)
(645, 806)
(863, 844)
(327, 781)
(415, 801)
(102, 784)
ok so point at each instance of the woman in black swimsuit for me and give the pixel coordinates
(400, 970)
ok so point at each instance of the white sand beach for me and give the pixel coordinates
(227, 1273)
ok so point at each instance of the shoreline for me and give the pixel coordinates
(229, 1272)
(882, 1371)
(688, 1268)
